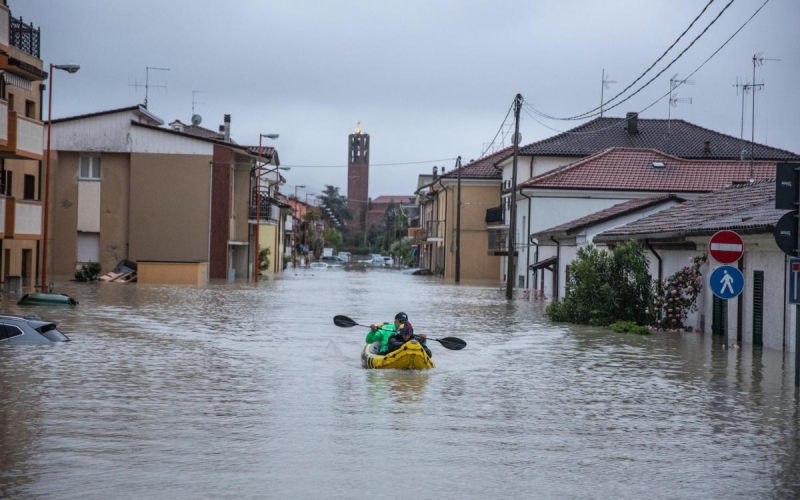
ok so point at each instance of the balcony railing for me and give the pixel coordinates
(495, 215)
(3, 121)
(25, 37)
(21, 219)
(433, 229)
(498, 243)
(268, 212)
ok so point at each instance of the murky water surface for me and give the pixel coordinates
(238, 391)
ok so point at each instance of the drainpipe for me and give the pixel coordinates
(536, 259)
(660, 262)
(444, 243)
(558, 267)
(740, 306)
(785, 274)
(528, 239)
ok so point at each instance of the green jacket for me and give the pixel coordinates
(384, 331)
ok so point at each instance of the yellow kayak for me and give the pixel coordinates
(409, 357)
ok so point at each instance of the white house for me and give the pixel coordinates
(760, 315)
(675, 138)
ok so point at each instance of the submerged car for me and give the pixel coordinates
(28, 330)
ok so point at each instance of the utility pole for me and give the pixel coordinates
(458, 222)
(512, 226)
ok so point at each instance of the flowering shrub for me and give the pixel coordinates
(677, 297)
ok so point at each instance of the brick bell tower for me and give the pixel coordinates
(358, 177)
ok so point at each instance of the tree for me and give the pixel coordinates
(331, 198)
(394, 226)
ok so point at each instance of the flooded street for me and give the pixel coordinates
(243, 391)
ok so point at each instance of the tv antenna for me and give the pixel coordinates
(147, 85)
(604, 86)
(196, 119)
(758, 60)
(674, 83)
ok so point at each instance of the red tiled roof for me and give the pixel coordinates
(482, 168)
(393, 199)
(610, 213)
(686, 140)
(626, 169)
(744, 207)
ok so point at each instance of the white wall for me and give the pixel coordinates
(89, 205)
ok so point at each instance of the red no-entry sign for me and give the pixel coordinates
(726, 247)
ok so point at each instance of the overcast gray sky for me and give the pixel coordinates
(428, 79)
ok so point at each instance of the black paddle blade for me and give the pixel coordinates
(343, 321)
(452, 343)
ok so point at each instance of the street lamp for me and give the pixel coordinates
(258, 204)
(69, 68)
(294, 230)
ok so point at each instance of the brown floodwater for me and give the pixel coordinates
(242, 391)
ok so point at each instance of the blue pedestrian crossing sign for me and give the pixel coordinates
(794, 281)
(726, 282)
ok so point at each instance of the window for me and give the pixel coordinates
(11, 102)
(8, 331)
(30, 109)
(90, 167)
(9, 178)
(88, 247)
(30, 187)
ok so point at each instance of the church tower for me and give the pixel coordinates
(358, 177)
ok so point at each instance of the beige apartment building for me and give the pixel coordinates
(21, 147)
(124, 187)
(437, 232)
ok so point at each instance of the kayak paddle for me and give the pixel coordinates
(452, 343)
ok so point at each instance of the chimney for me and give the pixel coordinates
(227, 128)
(707, 146)
(633, 123)
(442, 170)
(435, 172)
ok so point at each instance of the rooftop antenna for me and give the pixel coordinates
(147, 85)
(674, 83)
(745, 87)
(196, 119)
(604, 86)
(758, 60)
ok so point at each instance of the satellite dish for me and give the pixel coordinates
(196, 119)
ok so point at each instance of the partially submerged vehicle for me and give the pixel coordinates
(28, 330)
(46, 298)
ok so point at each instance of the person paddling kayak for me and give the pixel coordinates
(398, 333)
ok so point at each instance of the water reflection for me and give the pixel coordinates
(243, 391)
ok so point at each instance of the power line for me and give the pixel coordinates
(495, 135)
(591, 113)
(713, 54)
(371, 165)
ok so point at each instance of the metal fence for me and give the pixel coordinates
(25, 37)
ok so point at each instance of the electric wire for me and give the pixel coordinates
(372, 165)
(530, 106)
(593, 113)
(508, 113)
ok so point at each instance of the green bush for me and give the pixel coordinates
(604, 287)
(88, 272)
(263, 259)
(629, 327)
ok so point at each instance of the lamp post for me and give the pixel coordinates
(294, 231)
(69, 68)
(258, 205)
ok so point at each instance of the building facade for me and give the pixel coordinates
(21, 148)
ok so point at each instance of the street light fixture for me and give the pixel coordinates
(258, 204)
(69, 68)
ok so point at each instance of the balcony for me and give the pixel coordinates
(269, 211)
(495, 215)
(22, 219)
(24, 37)
(25, 138)
(434, 230)
(4, 121)
(498, 243)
